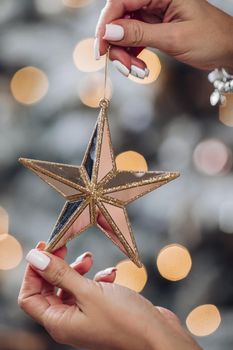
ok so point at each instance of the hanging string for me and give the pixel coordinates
(104, 101)
(106, 72)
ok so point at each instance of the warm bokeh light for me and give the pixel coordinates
(131, 276)
(10, 252)
(203, 320)
(226, 217)
(153, 64)
(226, 110)
(131, 160)
(76, 3)
(29, 85)
(51, 7)
(84, 59)
(91, 90)
(174, 262)
(212, 157)
(4, 221)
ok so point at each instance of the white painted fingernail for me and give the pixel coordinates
(106, 272)
(97, 48)
(82, 257)
(147, 71)
(113, 32)
(137, 72)
(121, 67)
(38, 259)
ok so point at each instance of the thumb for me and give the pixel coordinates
(134, 33)
(57, 272)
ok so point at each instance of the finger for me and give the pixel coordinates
(107, 275)
(168, 314)
(57, 272)
(114, 10)
(48, 289)
(61, 252)
(33, 298)
(121, 8)
(134, 33)
(36, 294)
(124, 59)
(82, 265)
(41, 245)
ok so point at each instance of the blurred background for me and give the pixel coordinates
(50, 86)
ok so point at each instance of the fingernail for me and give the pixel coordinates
(106, 272)
(40, 245)
(82, 257)
(147, 71)
(97, 48)
(113, 32)
(137, 72)
(37, 259)
(121, 67)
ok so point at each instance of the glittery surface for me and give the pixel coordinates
(96, 192)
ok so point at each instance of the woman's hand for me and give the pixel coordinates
(192, 31)
(95, 314)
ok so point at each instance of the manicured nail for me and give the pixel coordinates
(137, 72)
(38, 259)
(97, 48)
(113, 32)
(147, 71)
(82, 257)
(106, 272)
(121, 67)
(41, 245)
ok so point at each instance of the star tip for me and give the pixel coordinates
(175, 175)
(138, 263)
(23, 161)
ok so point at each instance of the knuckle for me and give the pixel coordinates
(59, 337)
(21, 302)
(58, 276)
(137, 33)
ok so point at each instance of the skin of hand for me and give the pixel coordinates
(95, 314)
(193, 31)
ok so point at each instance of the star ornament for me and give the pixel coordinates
(96, 193)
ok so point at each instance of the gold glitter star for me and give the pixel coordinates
(96, 192)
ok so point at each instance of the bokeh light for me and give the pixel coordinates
(203, 320)
(131, 160)
(76, 3)
(29, 85)
(84, 59)
(91, 90)
(226, 110)
(4, 221)
(212, 157)
(10, 252)
(51, 7)
(174, 262)
(131, 276)
(226, 217)
(153, 64)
